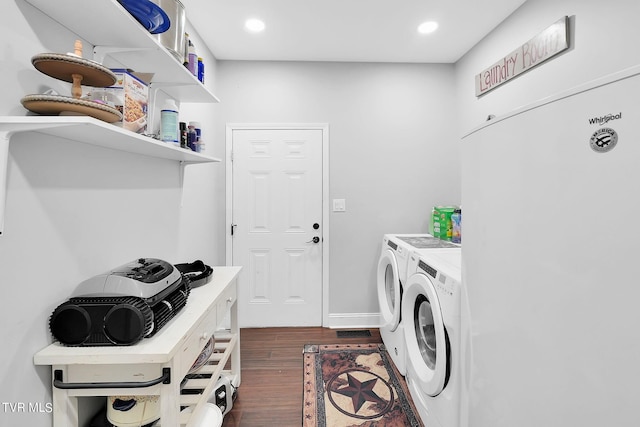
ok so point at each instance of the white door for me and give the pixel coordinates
(277, 225)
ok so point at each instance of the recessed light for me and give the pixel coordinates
(254, 25)
(427, 27)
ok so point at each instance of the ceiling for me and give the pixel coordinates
(346, 30)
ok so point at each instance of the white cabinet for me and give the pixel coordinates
(163, 359)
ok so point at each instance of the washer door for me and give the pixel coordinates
(425, 334)
(389, 289)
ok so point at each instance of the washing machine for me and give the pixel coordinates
(431, 316)
(391, 277)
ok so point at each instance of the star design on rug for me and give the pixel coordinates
(360, 392)
(355, 387)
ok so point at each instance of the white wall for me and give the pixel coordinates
(202, 227)
(393, 152)
(393, 128)
(74, 211)
(603, 38)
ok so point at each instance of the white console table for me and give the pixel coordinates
(154, 366)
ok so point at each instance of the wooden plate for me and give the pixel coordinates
(63, 66)
(64, 105)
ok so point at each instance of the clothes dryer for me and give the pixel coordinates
(431, 313)
(392, 273)
(391, 277)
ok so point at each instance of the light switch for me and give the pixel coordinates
(339, 205)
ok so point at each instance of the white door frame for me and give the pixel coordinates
(324, 127)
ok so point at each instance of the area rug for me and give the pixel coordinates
(349, 385)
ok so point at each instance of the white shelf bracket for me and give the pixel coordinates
(101, 52)
(160, 85)
(154, 87)
(5, 137)
(183, 164)
(151, 111)
(152, 106)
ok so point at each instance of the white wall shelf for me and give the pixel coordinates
(87, 130)
(118, 41)
(117, 36)
(171, 352)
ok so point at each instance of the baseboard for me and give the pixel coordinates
(354, 320)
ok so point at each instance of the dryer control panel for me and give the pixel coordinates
(427, 269)
(445, 285)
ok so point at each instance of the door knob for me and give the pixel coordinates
(315, 239)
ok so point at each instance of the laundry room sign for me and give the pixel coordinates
(545, 45)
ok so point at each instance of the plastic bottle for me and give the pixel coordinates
(183, 135)
(193, 59)
(200, 70)
(192, 138)
(456, 226)
(197, 128)
(185, 52)
(169, 123)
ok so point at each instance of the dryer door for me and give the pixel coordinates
(426, 338)
(389, 289)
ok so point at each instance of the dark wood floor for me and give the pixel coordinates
(271, 389)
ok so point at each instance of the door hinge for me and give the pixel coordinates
(233, 226)
(231, 155)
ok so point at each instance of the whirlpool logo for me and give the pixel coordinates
(605, 119)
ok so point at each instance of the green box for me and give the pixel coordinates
(441, 221)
